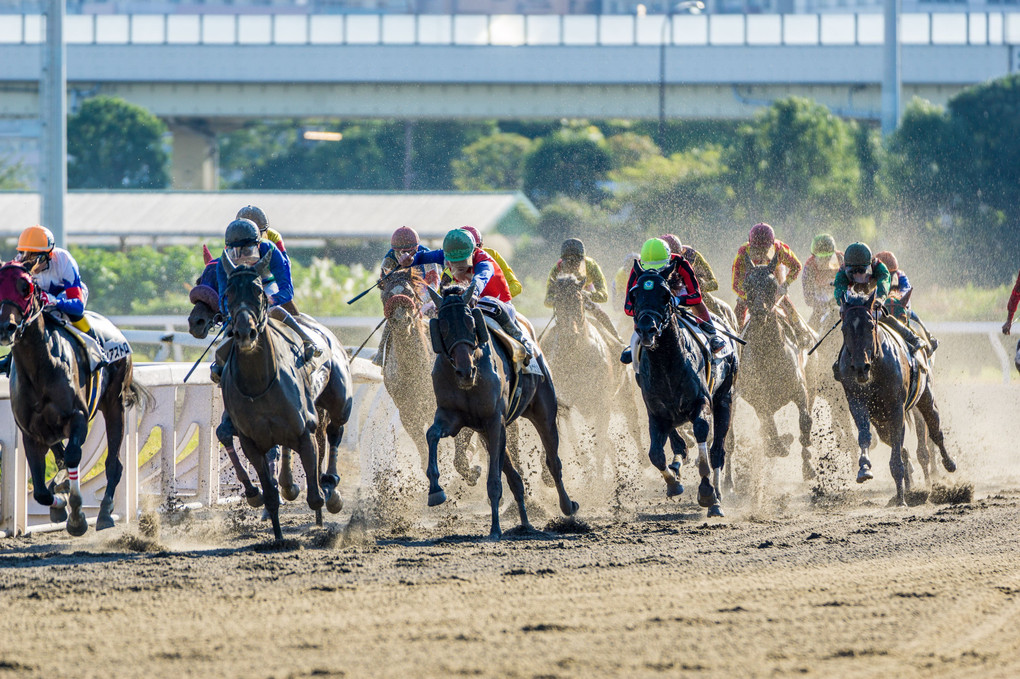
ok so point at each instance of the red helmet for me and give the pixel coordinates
(889, 259)
(761, 237)
(474, 234)
(404, 237)
(675, 246)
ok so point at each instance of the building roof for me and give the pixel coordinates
(166, 217)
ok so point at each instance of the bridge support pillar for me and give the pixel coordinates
(195, 162)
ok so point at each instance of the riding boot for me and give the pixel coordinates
(310, 350)
(715, 343)
(626, 357)
(933, 343)
(220, 359)
(503, 318)
(5, 364)
(915, 343)
(97, 356)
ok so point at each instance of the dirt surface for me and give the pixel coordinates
(800, 578)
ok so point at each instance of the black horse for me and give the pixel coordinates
(54, 394)
(882, 384)
(274, 398)
(472, 382)
(676, 388)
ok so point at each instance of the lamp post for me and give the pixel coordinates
(689, 7)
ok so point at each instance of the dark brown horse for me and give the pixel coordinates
(274, 398)
(54, 394)
(772, 365)
(882, 383)
(472, 382)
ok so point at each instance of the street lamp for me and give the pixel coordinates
(689, 7)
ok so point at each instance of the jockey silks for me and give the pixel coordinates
(485, 273)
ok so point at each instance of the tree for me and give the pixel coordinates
(112, 144)
(631, 148)
(568, 162)
(492, 163)
(12, 176)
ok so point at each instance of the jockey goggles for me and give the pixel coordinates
(32, 259)
(242, 253)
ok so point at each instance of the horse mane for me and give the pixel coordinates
(458, 290)
(568, 278)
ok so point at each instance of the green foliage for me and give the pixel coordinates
(112, 144)
(12, 176)
(630, 148)
(143, 280)
(492, 163)
(570, 163)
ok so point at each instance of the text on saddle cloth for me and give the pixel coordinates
(110, 338)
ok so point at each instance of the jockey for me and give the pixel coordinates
(244, 247)
(56, 273)
(702, 269)
(1014, 300)
(255, 214)
(864, 274)
(405, 241)
(760, 248)
(655, 256)
(619, 284)
(508, 273)
(898, 303)
(819, 271)
(468, 263)
(593, 283)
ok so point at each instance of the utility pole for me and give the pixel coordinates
(891, 76)
(53, 105)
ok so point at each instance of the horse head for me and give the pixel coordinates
(20, 302)
(761, 287)
(568, 301)
(653, 302)
(205, 297)
(458, 332)
(247, 302)
(860, 334)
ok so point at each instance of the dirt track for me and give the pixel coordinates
(840, 587)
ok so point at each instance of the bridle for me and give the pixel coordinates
(660, 317)
(261, 312)
(29, 307)
(848, 325)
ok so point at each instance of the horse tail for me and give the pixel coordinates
(139, 395)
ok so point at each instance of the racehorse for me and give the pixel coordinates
(205, 298)
(274, 398)
(473, 379)
(882, 383)
(584, 356)
(773, 366)
(54, 394)
(678, 383)
(407, 362)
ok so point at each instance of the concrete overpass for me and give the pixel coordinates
(203, 72)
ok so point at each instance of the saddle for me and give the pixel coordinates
(702, 340)
(920, 370)
(314, 333)
(518, 355)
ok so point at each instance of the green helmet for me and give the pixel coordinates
(654, 254)
(823, 245)
(458, 245)
(572, 247)
(857, 254)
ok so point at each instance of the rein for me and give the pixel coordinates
(262, 320)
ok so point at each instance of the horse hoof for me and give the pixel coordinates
(437, 498)
(495, 536)
(706, 494)
(104, 522)
(674, 489)
(675, 467)
(864, 475)
(715, 510)
(58, 514)
(335, 503)
(77, 525)
(255, 500)
(290, 492)
(569, 508)
(949, 464)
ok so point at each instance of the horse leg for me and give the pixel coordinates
(542, 413)
(35, 453)
(658, 433)
(309, 460)
(769, 433)
(225, 435)
(330, 481)
(259, 460)
(288, 488)
(707, 496)
(114, 416)
(514, 480)
(924, 456)
(461, 462)
(930, 412)
(722, 408)
(77, 524)
(495, 442)
(443, 425)
(859, 411)
(679, 446)
(895, 432)
(801, 399)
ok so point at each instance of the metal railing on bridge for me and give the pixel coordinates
(972, 28)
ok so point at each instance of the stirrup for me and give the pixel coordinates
(716, 344)
(311, 351)
(627, 356)
(215, 372)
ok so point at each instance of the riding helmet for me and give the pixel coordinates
(256, 215)
(36, 239)
(675, 246)
(404, 238)
(823, 245)
(475, 235)
(761, 236)
(654, 254)
(241, 232)
(572, 248)
(889, 259)
(458, 245)
(857, 254)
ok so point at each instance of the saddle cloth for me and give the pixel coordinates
(317, 368)
(515, 349)
(702, 340)
(920, 371)
(109, 336)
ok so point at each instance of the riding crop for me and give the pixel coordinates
(369, 335)
(222, 328)
(542, 334)
(360, 295)
(819, 342)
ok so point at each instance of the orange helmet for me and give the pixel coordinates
(889, 259)
(36, 239)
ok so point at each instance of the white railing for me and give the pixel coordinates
(970, 28)
(201, 475)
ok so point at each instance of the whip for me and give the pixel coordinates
(222, 328)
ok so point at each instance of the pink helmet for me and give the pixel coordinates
(474, 234)
(675, 246)
(761, 237)
(404, 237)
(889, 259)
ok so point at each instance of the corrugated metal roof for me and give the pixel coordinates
(93, 216)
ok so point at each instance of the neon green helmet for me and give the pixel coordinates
(458, 245)
(823, 245)
(857, 254)
(654, 254)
